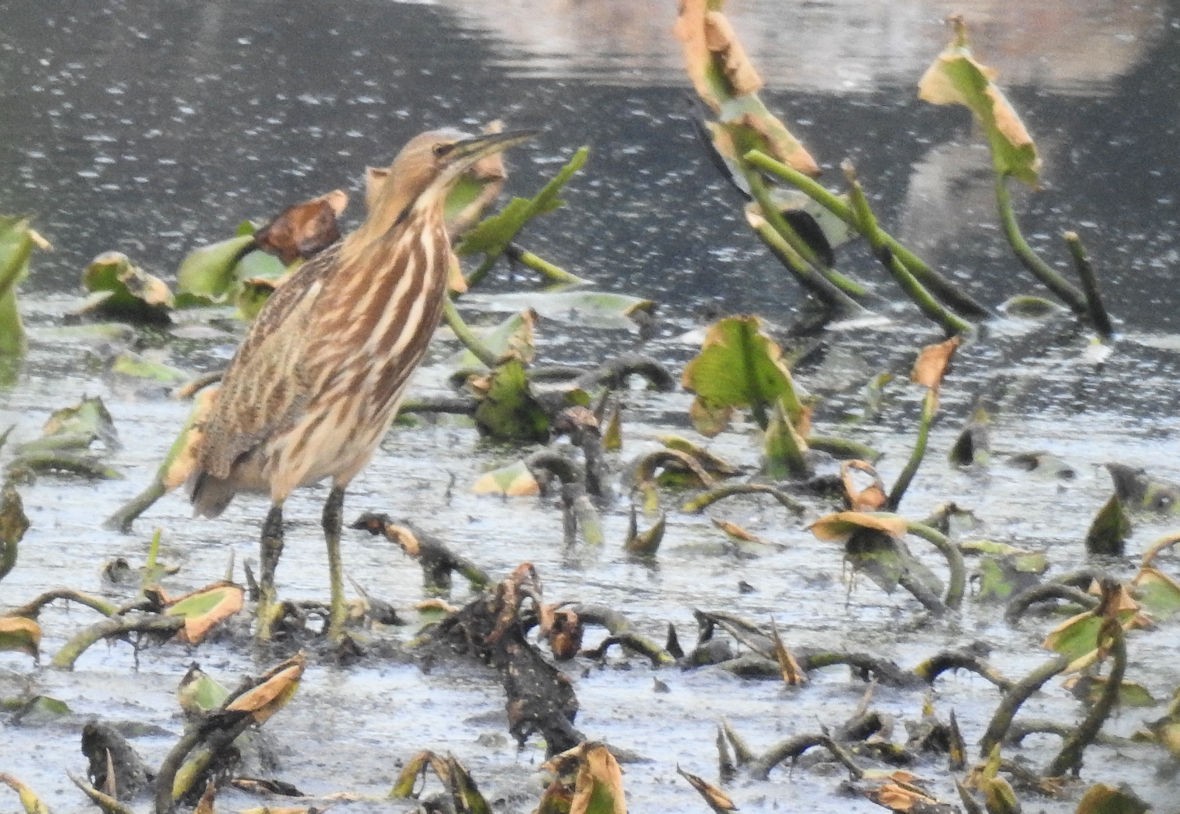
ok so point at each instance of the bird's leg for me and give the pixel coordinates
(270, 548)
(333, 522)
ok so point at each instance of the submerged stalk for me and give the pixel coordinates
(1064, 290)
(1081, 262)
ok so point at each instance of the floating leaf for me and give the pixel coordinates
(204, 609)
(740, 366)
(956, 77)
(137, 366)
(1000, 577)
(123, 290)
(583, 308)
(514, 480)
(20, 634)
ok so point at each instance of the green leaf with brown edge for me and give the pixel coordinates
(1103, 799)
(202, 610)
(514, 336)
(955, 77)
(208, 273)
(740, 366)
(29, 800)
(274, 689)
(1157, 592)
(20, 634)
(122, 290)
(1109, 529)
(783, 449)
(507, 409)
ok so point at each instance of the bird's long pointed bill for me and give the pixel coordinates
(476, 147)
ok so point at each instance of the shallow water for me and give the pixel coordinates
(152, 130)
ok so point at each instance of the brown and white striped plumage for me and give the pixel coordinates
(318, 379)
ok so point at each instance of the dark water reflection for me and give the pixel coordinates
(153, 127)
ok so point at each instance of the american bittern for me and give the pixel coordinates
(318, 379)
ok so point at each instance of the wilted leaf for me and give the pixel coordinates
(839, 527)
(204, 609)
(514, 480)
(956, 77)
(304, 229)
(123, 290)
(78, 427)
(868, 498)
(644, 543)
(1089, 688)
(933, 362)
(274, 690)
(1078, 636)
(1000, 577)
(715, 798)
(507, 409)
(1109, 529)
(29, 800)
(20, 634)
(783, 447)
(788, 666)
(740, 366)
(727, 82)
(598, 788)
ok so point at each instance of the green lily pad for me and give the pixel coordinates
(507, 409)
(208, 273)
(740, 366)
(139, 367)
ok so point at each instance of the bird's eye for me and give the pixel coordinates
(442, 148)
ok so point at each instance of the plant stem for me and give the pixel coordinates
(1064, 290)
(542, 266)
(943, 288)
(465, 335)
(867, 223)
(929, 407)
(1081, 261)
(954, 560)
(804, 272)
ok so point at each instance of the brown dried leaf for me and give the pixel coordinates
(600, 782)
(869, 499)
(793, 675)
(838, 527)
(204, 609)
(273, 691)
(717, 800)
(305, 229)
(933, 362)
(20, 634)
(729, 55)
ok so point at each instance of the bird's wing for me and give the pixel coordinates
(265, 387)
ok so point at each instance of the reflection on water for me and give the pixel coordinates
(829, 46)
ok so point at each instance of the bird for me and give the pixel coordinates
(319, 376)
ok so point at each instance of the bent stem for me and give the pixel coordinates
(552, 272)
(929, 408)
(1064, 290)
(954, 560)
(866, 222)
(942, 288)
(466, 336)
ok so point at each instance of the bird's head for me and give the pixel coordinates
(426, 169)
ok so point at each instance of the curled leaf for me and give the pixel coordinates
(839, 527)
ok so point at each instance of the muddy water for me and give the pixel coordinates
(154, 130)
